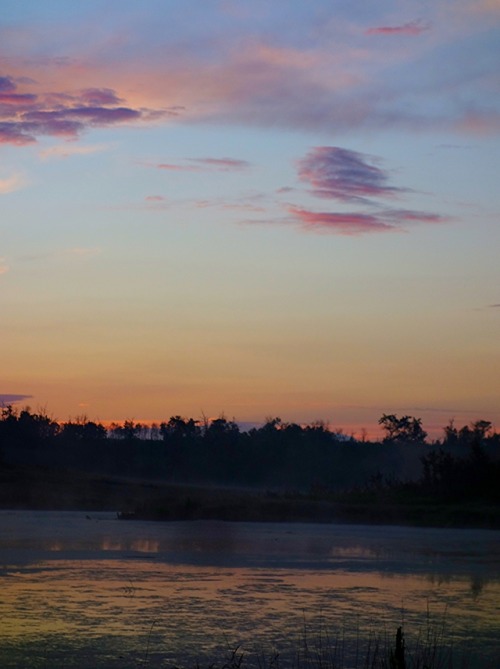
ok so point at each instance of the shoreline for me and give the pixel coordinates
(35, 488)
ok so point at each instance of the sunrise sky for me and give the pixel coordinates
(261, 208)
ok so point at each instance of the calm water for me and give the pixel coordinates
(80, 590)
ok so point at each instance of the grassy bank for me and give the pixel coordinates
(192, 504)
(44, 488)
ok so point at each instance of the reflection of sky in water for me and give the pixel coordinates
(195, 588)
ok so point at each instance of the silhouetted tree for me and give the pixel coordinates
(179, 430)
(221, 429)
(26, 428)
(128, 431)
(474, 436)
(450, 434)
(403, 430)
(82, 429)
(8, 423)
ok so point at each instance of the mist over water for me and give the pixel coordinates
(87, 590)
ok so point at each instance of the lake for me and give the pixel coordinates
(85, 590)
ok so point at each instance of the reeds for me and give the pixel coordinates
(428, 649)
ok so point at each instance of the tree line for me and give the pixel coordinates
(278, 453)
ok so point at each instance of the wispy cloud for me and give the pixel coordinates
(359, 223)
(100, 96)
(227, 205)
(9, 96)
(205, 164)
(4, 268)
(411, 28)
(175, 167)
(410, 216)
(344, 175)
(149, 203)
(478, 122)
(6, 86)
(223, 164)
(348, 176)
(11, 184)
(82, 252)
(484, 7)
(332, 83)
(152, 203)
(71, 149)
(350, 224)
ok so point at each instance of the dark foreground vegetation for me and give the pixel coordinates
(427, 649)
(187, 469)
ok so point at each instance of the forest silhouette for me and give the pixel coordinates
(311, 461)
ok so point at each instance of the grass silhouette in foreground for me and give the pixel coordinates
(428, 650)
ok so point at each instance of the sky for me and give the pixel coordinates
(252, 209)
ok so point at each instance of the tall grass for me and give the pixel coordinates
(429, 648)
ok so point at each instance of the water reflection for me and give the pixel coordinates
(105, 587)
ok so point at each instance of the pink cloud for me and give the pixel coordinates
(484, 7)
(410, 216)
(348, 176)
(229, 206)
(67, 149)
(358, 223)
(44, 123)
(25, 116)
(15, 133)
(17, 99)
(100, 96)
(9, 96)
(90, 115)
(411, 28)
(154, 198)
(172, 167)
(349, 224)
(11, 184)
(478, 123)
(224, 164)
(248, 81)
(206, 164)
(7, 84)
(344, 175)
(244, 80)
